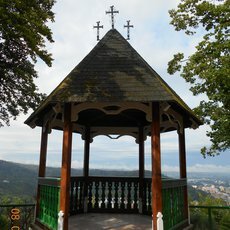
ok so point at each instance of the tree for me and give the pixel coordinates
(23, 34)
(207, 69)
(199, 216)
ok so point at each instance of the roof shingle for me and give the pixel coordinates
(113, 72)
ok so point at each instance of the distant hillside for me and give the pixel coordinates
(17, 179)
(21, 179)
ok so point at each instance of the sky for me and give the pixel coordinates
(156, 41)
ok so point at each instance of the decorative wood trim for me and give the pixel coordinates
(111, 108)
(121, 131)
(175, 119)
(194, 124)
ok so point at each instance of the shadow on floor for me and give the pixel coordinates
(97, 221)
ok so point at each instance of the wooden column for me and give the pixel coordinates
(86, 166)
(86, 152)
(43, 153)
(141, 167)
(156, 164)
(42, 163)
(183, 172)
(66, 164)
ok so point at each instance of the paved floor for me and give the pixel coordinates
(97, 221)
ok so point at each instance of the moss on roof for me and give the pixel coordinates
(112, 72)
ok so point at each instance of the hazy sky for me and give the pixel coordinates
(156, 41)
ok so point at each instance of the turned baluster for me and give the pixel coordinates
(135, 195)
(122, 195)
(103, 186)
(129, 196)
(116, 186)
(90, 195)
(96, 205)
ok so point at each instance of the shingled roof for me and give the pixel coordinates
(113, 72)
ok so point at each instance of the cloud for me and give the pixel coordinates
(206, 168)
(152, 37)
(209, 168)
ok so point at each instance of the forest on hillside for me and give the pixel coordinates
(18, 186)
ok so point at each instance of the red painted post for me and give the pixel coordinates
(66, 164)
(156, 164)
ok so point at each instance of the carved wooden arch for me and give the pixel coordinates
(112, 108)
(175, 120)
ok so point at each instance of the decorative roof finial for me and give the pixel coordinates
(98, 27)
(128, 30)
(112, 12)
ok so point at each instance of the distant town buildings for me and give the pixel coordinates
(216, 188)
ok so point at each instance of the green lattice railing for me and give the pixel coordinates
(49, 201)
(173, 203)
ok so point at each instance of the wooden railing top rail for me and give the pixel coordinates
(166, 183)
(81, 178)
(172, 183)
(114, 179)
(51, 181)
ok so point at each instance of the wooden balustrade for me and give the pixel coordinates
(120, 194)
(147, 196)
(76, 195)
(106, 194)
(111, 194)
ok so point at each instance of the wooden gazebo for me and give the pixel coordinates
(113, 91)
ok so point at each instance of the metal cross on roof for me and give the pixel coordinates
(112, 12)
(98, 27)
(128, 30)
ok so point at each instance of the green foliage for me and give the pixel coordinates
(194, 194)
(26, 212)
(23, 34)
(207, 69)
(225, 221)
(3, 221)
(199, 216)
